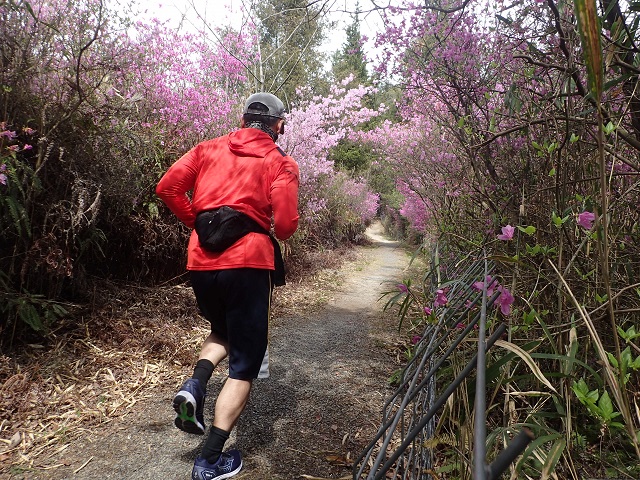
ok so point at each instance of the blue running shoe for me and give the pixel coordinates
(228, 465)
(189, 404)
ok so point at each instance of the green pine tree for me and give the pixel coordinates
(351, 60)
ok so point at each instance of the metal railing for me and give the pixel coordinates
(400, 449)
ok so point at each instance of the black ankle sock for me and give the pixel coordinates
(203, 371)
(214, 444)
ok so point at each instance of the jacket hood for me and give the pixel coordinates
(250, 142)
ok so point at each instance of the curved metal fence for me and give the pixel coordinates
(401, 448)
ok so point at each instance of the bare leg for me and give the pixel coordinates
(214, 349)
(230, 403)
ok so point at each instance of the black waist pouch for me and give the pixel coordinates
(220, 228)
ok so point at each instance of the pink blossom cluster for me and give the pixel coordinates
(414, 209)
(586, 220)
(507, 233)
(143, 77)
(314, 127)
(3, 174)
(191, 84)
(362, 201)
(505, 299)
(423, 159)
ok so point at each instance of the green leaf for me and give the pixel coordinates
(581, 389)
(592, 396)
(552, 172)
(503, 258)
(606, 406)
(609, 127)
(29, 315)
(30, 10)
(629, 335)
(574, 138)
(618, 80)
(558, 221)
(552, 458)
(529, 230)
(152, 207)
(612, 359)
(534, 445)
(512, 100)
(524, 355)
(535, 250)
(571, 351)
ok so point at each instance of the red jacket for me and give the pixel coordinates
(244, 170)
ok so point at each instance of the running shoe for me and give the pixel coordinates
(189, 404)
(228, 465)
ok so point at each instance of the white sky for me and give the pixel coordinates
(227, 12)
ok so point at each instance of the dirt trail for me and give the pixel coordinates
(315, 413)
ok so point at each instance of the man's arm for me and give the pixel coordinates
(284, 199)
(174, 185)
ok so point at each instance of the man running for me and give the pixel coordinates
(243, 180)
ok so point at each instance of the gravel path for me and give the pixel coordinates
(317, 411)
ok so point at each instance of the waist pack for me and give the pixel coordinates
(220, 228)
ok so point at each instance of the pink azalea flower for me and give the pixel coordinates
(491, 285)
(415, 339)
(27, 147)
(460, 326)
(28, 131)
(8, 134)
(427, 311)
(3, 179)
(441, 299)
(586, 219)
(402, 287)
(3, 167)
(14, 148)
(507, 233)
(505, 300)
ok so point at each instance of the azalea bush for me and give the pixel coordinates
(95, 108)
(501, 154)
(333, 208)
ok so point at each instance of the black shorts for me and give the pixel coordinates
(236, 302)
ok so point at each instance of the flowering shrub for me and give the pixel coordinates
(101, 105)
(190, 88)
(513, 166)
(331, 203)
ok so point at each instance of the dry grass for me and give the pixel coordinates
(95, 367)
(90, 371)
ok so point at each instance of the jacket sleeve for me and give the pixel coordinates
(176, 182)
(284, 199)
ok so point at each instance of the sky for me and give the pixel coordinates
(227, 12)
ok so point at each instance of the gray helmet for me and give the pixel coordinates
(263, 103)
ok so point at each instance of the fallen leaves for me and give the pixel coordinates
(87, 376)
